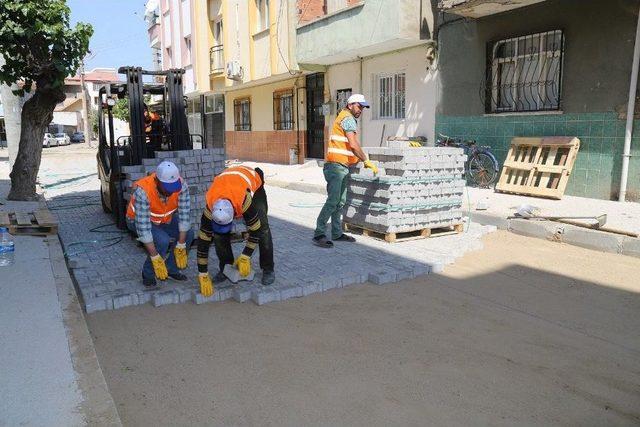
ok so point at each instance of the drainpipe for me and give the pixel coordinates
(630, 113)
(362, 92)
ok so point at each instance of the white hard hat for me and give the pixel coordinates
(222, 215)
(169, 177)
(358, 98)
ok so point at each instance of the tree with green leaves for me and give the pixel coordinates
(40, 49)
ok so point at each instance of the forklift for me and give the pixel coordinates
(143, 140)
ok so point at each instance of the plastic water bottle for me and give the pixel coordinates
(7, 247)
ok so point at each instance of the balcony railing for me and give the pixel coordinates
(216, 56)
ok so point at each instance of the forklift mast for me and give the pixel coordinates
(178, 137)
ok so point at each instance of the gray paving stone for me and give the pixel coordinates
(108, 277)
(264, 295)
(242, 293)
(165, 297)
(234, 275)
(382, 277)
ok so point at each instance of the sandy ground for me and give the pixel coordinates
(524, 332)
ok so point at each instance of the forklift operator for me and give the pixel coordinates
(153, 128)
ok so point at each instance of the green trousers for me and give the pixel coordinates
(337, 177)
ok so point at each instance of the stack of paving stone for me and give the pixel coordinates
(415, 189)
(197, 167)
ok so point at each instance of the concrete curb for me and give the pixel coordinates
(564, 233)
(98, 407)
(548, 230)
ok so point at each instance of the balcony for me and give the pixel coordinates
(216, 57)
(362, 29)
(480, 8)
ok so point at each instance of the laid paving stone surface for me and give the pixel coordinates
(106, 263)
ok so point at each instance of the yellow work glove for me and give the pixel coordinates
(369, 165)
(415, 144)
(206, 285)
(243, 264)
(180, 253)
(159, 268)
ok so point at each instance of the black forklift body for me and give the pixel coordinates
(130, 150)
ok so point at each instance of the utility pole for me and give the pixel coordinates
(85, 113)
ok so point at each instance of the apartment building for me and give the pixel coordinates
(544, 68)
(67, 115)
(254, 83)
(273, 74)
(380, 48)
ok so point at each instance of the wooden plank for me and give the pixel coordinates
(403, 236)
(4, 219)
(44, 217)
(23, 218)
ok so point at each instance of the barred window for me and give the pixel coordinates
(242, 113)
(283, 110)
(390, 96)
(525, 73)
(342, 95)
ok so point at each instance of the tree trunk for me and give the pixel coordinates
(37, 113)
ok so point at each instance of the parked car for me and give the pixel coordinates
(77, 137)
(49, 140)
(62, 138)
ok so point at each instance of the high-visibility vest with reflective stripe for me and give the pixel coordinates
(159, 211)
(232, 184)
(339, 150)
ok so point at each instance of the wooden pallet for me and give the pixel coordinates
(38, 223)
(538, 166)
(404, 236)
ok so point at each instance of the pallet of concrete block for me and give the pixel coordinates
(416, 194)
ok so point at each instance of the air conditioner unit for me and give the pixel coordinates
(234, 70)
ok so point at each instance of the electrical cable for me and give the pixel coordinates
(293, 73)
(306, 205)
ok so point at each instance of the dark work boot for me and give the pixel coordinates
(150, 282)
(178, 276)
(219, 277)
(268, 277)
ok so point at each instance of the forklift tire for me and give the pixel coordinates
(105, 208)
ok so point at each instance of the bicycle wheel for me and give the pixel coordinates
(482, 169)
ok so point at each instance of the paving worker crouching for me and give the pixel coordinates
(344, 150)
(151, 214)
(237, 192)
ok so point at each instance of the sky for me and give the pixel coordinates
(119, 32)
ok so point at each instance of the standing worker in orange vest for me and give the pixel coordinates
(343, 151)
(237, 192)
(150, 213)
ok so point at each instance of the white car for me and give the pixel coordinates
(49, 140)
(62, 138)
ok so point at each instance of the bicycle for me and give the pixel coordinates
(481, 166)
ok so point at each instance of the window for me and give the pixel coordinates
(389, 96)
(242, 113)
(283, 110)
(262, 8)
(525, 73)
(341, 98)
(214, 103)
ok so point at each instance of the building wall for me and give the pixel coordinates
(599, 38)
(420, 98)
(263, 143)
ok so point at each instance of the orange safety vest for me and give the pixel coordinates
(160, 212)
(339, 150)
(232, 184)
